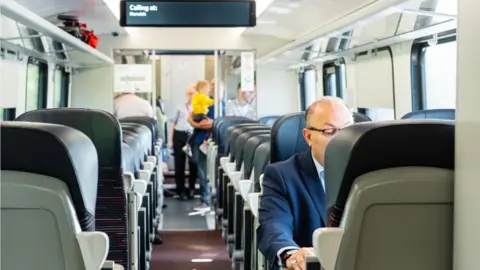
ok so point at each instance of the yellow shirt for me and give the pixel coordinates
(200, 103)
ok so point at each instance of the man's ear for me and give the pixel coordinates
(307, 135)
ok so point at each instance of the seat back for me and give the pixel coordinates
(128, 159)
(260, 161)
(268, 120)
(144, 133)
(230, 120)
(445, 114)
(249, 152)
(395, 181)
(228, 134)
(240, 145)
(222, 134)
(104, 131)
(149, 122)
(287, 138)
(49, 191)
(132, 140)
(236, 133)
(360, 117)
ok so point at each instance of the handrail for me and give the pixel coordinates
(20, 14)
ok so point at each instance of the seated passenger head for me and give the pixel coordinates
(244, 95)
(322, 120)
(203, 87)
(190, 92)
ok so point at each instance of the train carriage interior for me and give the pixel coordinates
(144, 134)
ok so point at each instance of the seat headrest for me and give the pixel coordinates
(221, 132)
(101, 127)
(249, 152)
(287, 138)
(240, 144)
(224, 119)
(445, 114)
(149, 122)
(260, 161)
(239, 130)
(56, 151)
(268, 120)
(360, 117)
(372, 146)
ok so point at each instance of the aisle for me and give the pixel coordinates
(179, 248)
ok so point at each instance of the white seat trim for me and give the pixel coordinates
(326, 243)
(94, 247)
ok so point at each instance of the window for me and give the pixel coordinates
(440, 76)
(334, 79)
(7, 114)
(36, 97)
(310, 85)
(434, 74)
(62, 83)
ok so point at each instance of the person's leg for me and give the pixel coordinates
(179, 139)
(192, 178)
(201, 161)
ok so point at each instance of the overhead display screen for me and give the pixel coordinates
(187, 13)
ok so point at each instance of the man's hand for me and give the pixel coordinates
(297, 260)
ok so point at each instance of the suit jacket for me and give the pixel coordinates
(292, 206)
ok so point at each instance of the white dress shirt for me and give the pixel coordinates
(132, 105)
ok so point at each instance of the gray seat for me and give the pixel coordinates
(228, 134)
(249, 152)
(49, 191)
(144, 133)
(260, 161)
(240, 131)
(390, 184)
(445, 114)
(240, 145)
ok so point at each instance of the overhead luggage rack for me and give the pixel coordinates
(62, 48)
(353, 33)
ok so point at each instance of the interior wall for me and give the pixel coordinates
(178, 71)
(209, 67)
(93, 89)
(158, 77)
(13, 84)
(276, 86)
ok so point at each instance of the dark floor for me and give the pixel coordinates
(181, 247)
(179, 215)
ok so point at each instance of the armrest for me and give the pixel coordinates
(244, 188)
(128, 179)
(140, 186)
(111, 265)
(253, 200)
(148, 166)
(229, 167)
(144, 175)
(224, 160)
(153, 160)
(234, 178)
(326, 243)
(94, 247)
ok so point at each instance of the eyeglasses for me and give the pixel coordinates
(325, 131)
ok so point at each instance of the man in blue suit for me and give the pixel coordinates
(292, 206)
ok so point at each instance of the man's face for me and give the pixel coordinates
(190, 92)
(212, 88)
(324, 122)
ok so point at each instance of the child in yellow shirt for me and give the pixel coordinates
(200, 103)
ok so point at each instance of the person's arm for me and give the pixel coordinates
(275, 233)
(209, 101)
(204, 124)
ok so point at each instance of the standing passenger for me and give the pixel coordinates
(178, 138)
(128, 104)
(243, 105)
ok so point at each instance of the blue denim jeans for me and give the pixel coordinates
(201, 161)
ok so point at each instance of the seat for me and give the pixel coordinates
(228, 121)
(360, 117)
(260, 161)
(287, 138)
(240, 145)
(144, 133)
(104, 131)
(445, 114)
(389, 187)
(149, 122)
(228, 134)
(128, 158)
(240, 131)
(250, 152)
(268, 120)
(49, 192)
